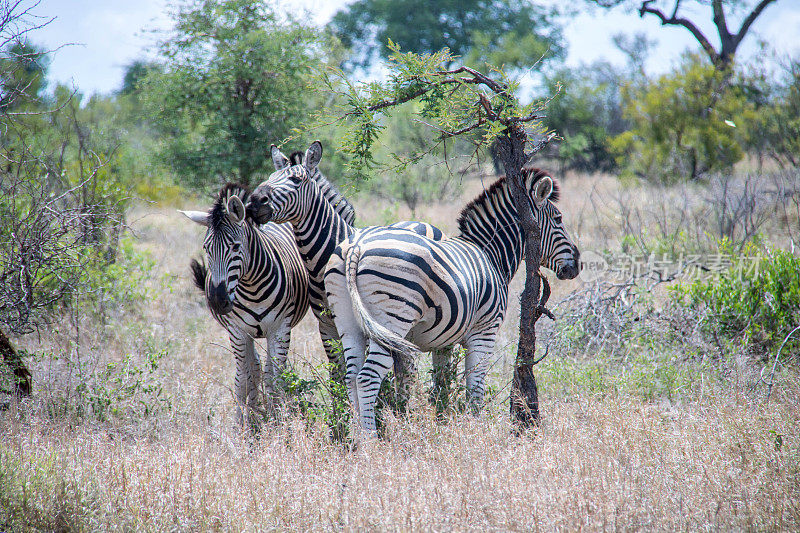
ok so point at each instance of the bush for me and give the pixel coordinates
(586, 113)
(758, 302)
(685, 124)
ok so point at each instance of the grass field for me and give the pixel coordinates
(650, 436)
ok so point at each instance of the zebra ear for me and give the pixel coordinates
(200, 217)
(278, 159)
(542, 190)
(313, 156)
(236, 211)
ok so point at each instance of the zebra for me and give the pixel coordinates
(291, 194)
(256, 286)
(393, 291)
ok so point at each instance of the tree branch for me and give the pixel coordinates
(674, 20)
(750, 19)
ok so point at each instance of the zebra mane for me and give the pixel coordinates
(480, 203)
(220, 207)
(329, 191)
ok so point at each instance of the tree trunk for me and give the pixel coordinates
(23, 384)
(524, 404)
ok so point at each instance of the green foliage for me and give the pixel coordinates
(119, 286)
(775, 131)
(451, 106)
(506, 32)
(684, 125)
(759, 303)
(126, 389)
(304, 395)
(123, 390)
(650, 375)
(23, 67)
(585, 111)
(234, 80)
(416, 175)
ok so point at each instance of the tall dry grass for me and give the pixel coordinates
(654, 441)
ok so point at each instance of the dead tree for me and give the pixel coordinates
(721, 57)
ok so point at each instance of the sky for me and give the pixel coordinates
(96, 39)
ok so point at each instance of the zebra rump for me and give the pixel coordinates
(371, 327)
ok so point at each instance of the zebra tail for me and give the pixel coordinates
(382, 335)
(199, 272)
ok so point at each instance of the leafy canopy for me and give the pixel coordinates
(234, 80)
(452, 102)
(514, 33)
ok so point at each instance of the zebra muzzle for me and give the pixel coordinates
(258, 209)
(218, 299)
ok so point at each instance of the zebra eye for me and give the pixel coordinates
(557, 219)
(236, 246)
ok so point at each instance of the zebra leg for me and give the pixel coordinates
(330, 338)
(376, 365)
(353, 346)
(442, 378)
(405, 373)
(248, 377)
(279, 350)
(476, 364)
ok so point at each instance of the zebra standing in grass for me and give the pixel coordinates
(249, 313)
(292, 194)
(256, 286)
(393, 291)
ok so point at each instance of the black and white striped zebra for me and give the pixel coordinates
(291, 194)
(256, 286)
(396, 291)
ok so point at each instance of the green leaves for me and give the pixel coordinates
(450, 102)
(678, 124)
(759, 301)
(235, 80)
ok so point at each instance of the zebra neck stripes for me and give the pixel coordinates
(491, 222)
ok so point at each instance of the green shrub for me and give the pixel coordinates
(119, 285)
(306, 398)
(684, 125)
(126, 389)
(756, 301)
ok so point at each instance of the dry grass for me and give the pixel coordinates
(657, 442)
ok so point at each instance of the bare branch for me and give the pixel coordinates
(674, 20)
(748, 21)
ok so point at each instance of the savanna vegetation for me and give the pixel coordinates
(669, 389)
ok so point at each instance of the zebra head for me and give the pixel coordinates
(225, 245)
(287, 194)
(559, 254)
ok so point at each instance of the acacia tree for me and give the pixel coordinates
(457, 101)
(675, 13)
